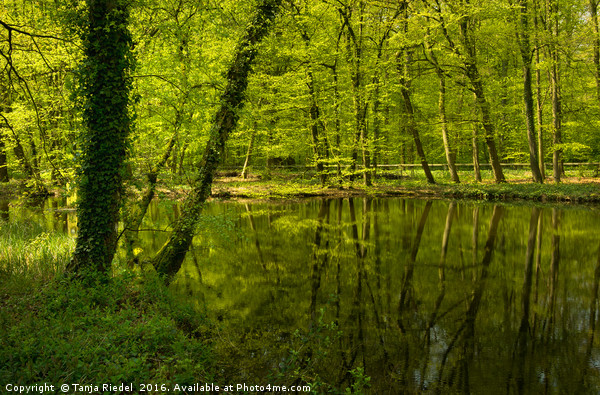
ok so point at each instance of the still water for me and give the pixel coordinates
(424, 296)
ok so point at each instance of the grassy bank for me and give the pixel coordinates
(577, 186)
(573, 189)
(65, 331)
(56, 329)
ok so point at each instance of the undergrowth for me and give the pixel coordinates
(121, 330)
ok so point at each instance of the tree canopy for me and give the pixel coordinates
(340, 86)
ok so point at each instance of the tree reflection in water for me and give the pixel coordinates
(425, 296)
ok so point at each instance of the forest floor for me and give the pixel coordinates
(284, 185)
(572, 189)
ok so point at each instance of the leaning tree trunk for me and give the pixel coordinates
(410, 116)
(472, 72)
(244, 173)
(135, 218)
(170, 258)
(403, 64)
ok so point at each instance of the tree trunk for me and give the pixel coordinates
(315, 115)
(450, 153)
(134, 221)
(412, 129)
(3, 164)
(4, 107)
(596, 41)
(555, 91)
(355, 54)
(472, 73)
(106, 86)
(249, 153)
(169, 259)
(538, 83)
(475, 144)
(337, 149)
(525, 47)
(403, 59)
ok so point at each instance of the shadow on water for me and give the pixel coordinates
(423, 296)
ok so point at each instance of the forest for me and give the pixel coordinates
(126, 108)
(345, 87)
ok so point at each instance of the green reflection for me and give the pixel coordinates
(425, 296)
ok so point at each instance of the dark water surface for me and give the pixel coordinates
(425, 296)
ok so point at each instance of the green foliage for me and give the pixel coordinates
(30, 253)
(98, 332)
(104, 91)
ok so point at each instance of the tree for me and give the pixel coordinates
(169, 259)
(105, 93)
(467, 52)
(404, 57)
(355, 54)
(554, 51)
(526, 56)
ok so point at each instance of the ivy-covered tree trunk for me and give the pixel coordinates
(105, 87)
(169, 259)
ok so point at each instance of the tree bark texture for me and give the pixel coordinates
(105, 88)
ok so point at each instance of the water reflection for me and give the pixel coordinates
(426, 296)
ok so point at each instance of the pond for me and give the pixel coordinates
(420, 296)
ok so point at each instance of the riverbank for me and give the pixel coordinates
(571, 190)
(287, 185)
(126, 331)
